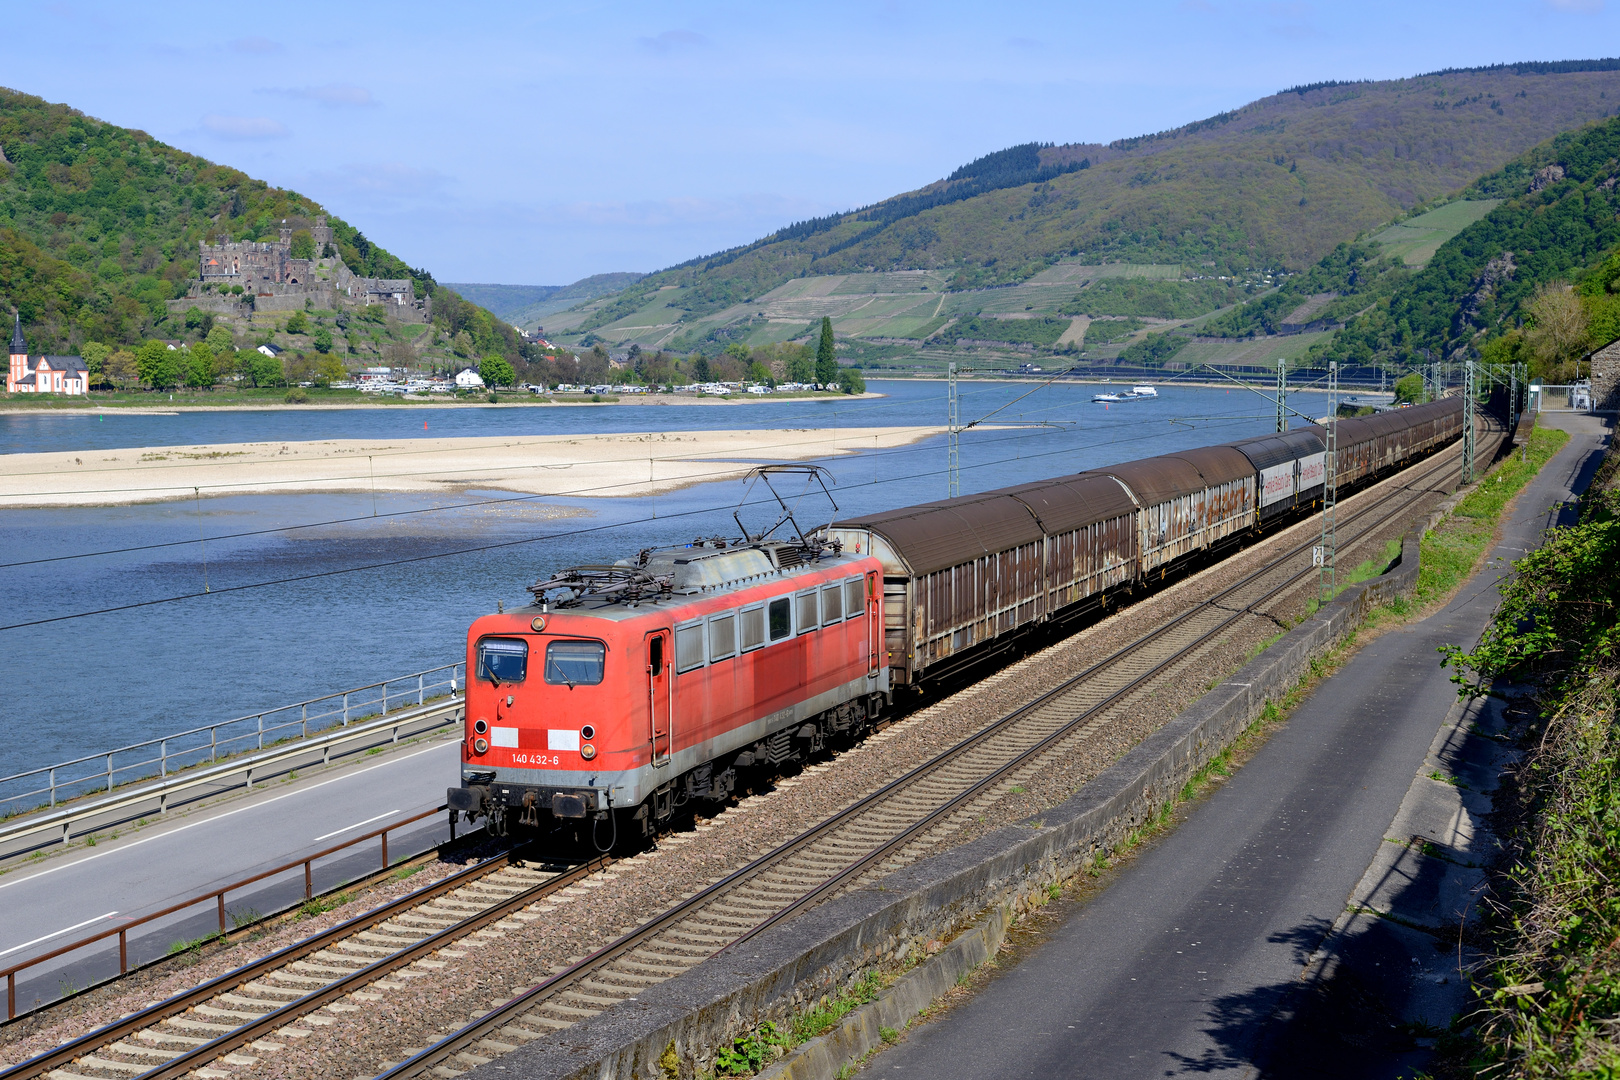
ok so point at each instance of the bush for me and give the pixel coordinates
(296, 396)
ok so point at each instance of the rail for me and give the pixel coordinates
(71, 779)
(217, 895)
(161, 794)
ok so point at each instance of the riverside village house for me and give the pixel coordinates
(43, 374)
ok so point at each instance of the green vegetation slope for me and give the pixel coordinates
(99, 227)
(1274, 185)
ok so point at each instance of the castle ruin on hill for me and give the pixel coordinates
(270, 279)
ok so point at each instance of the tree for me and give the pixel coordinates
(759, 373)
(194, 317)
(95, 360)
(148, 359)
(826, 355)
(801, 368)
(303, 245)
(700, 368)
(219, 339)
(262, 370)
(1559, 332)
(328, 369)
(1409, 389)
(851, 381)
(496, 371)
(122, 369)
(297, 323)
(199, 365)
(462, 343)
(323, 339)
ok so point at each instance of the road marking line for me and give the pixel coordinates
(356, 825)
(58, 933)
(443, 747)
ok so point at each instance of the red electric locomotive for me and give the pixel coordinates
(625, 691)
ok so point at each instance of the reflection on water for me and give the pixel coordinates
(392, 586)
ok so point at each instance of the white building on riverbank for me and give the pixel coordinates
(43, 374)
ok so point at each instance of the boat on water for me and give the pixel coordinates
(1135, 393)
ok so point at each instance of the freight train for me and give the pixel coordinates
(626, 691)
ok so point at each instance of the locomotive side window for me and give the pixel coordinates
(753, 628)
(722, 636)
(688, 647)
(503, 659)
(854, 596)
(655, 655)
(832, 608)
(805, 602)
(781, 619)
(575, 663)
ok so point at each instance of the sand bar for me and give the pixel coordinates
(611, 465)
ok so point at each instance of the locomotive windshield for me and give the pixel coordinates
(503, 659)
(575, 663)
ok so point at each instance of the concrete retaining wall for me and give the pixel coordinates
(673, 1029)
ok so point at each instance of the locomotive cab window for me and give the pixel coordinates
(688, 647)
(722, 636)
(781, 619)
(575, 663)
(805, 605)
(503, 659)
(832, 608)
(854, 597)
(753, 628)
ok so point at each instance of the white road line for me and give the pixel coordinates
(58, 933)
(444, 748)
(356, 825)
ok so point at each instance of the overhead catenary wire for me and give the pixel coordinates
(499, 545)
(481, 503)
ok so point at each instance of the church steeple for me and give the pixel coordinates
(19, 344)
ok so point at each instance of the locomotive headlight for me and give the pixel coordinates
(587, 733)
(480, 725)
(587, 751)
(480, 745)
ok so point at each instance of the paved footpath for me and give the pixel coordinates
(1190, 963)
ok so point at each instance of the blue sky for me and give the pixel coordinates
(536, 143)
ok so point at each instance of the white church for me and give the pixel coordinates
(43, 374)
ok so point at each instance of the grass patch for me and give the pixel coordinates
(321, 904)
(750, 1053)
(1453, 548)
(194, 945)
(1363, 571)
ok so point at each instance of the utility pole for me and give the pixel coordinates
(954, 427)
(1282, 396)
(1324, 555)
(1468, 423)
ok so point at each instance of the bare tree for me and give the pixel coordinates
(1560, 332)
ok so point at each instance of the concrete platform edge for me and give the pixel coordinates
(673, 1029)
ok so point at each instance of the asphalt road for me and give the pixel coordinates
(151, 868)
(1183, 965)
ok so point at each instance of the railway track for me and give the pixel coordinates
(212, 1021)
(219, 1022)
(902, 821)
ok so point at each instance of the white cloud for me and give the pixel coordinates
(674, 40)
(243, 127)
(256, 45)
(390, 179)
(332, 95)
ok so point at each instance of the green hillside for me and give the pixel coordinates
(527, 305)
(99, 227)
(1228, 206)
(1498, 287)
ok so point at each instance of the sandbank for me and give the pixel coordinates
(609, 465)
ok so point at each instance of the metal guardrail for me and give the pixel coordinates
(271, 762)
(217, 895)
(108, 769)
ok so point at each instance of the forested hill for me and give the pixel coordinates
(1276, 183)
(1498, 288)
(99, 226)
